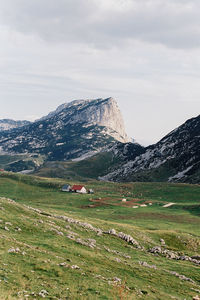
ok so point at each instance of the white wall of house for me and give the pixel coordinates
(82, 191)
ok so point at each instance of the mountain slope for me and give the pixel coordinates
(92, 167)
(176, 157)
(75, 129)
(8, 124)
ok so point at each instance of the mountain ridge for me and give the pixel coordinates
(175, 158)
(9, 124)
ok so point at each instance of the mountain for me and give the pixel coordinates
(94, 166)
(77, 129)
(8, 124)
(176, 157)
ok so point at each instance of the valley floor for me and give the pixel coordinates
(58, 245)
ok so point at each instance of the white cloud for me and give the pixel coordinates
(173, 23)
(145, 53)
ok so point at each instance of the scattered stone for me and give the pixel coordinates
(117, 252)
(8, 223)
(70, 236)
(135, 206)
(117, 260)
(196, 290)
(126, 237)
(196, 297)
(145, 264)
(64, 264)
(73, 233)
(18, 229)
(197, 257)
(123, 200)
(172, 255)
(182, 277)
(75, 267)
(162, 242)
(43, 293)
(6, 228)
(57, 232)
(14, 250)
(82, 224)
(111, 231)
(156, 250)
(115, 280)
(89, 243)
(68, 227)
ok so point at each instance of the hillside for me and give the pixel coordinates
(92, 167)
(56, 245)
(174, 158)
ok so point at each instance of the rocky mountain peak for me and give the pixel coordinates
(76, 129)
(101, 112)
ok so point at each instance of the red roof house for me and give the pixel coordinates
(79, 189)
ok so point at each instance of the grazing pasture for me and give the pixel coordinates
(58, 245)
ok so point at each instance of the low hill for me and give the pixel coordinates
(58, 245)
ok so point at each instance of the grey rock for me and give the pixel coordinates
(145, 264)
(43, 293)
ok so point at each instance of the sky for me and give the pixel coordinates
(143, 53)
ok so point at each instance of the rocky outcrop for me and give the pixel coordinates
(101, 112)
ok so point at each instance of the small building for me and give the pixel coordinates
(79, 189)
(90, 191)
(66, 188)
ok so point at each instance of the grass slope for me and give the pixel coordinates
(17, 163)
(112, 268)
(93, 167)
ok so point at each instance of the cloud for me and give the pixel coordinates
(106, 23)
(144, 53)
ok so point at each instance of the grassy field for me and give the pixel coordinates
(43, 255)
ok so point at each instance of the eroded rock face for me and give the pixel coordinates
(102, 112)
(73, 130)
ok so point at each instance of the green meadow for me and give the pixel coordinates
(45, 256)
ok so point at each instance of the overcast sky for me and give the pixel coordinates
(143, 53)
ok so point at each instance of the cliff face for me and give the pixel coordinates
(101, 112)
(74, 129)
